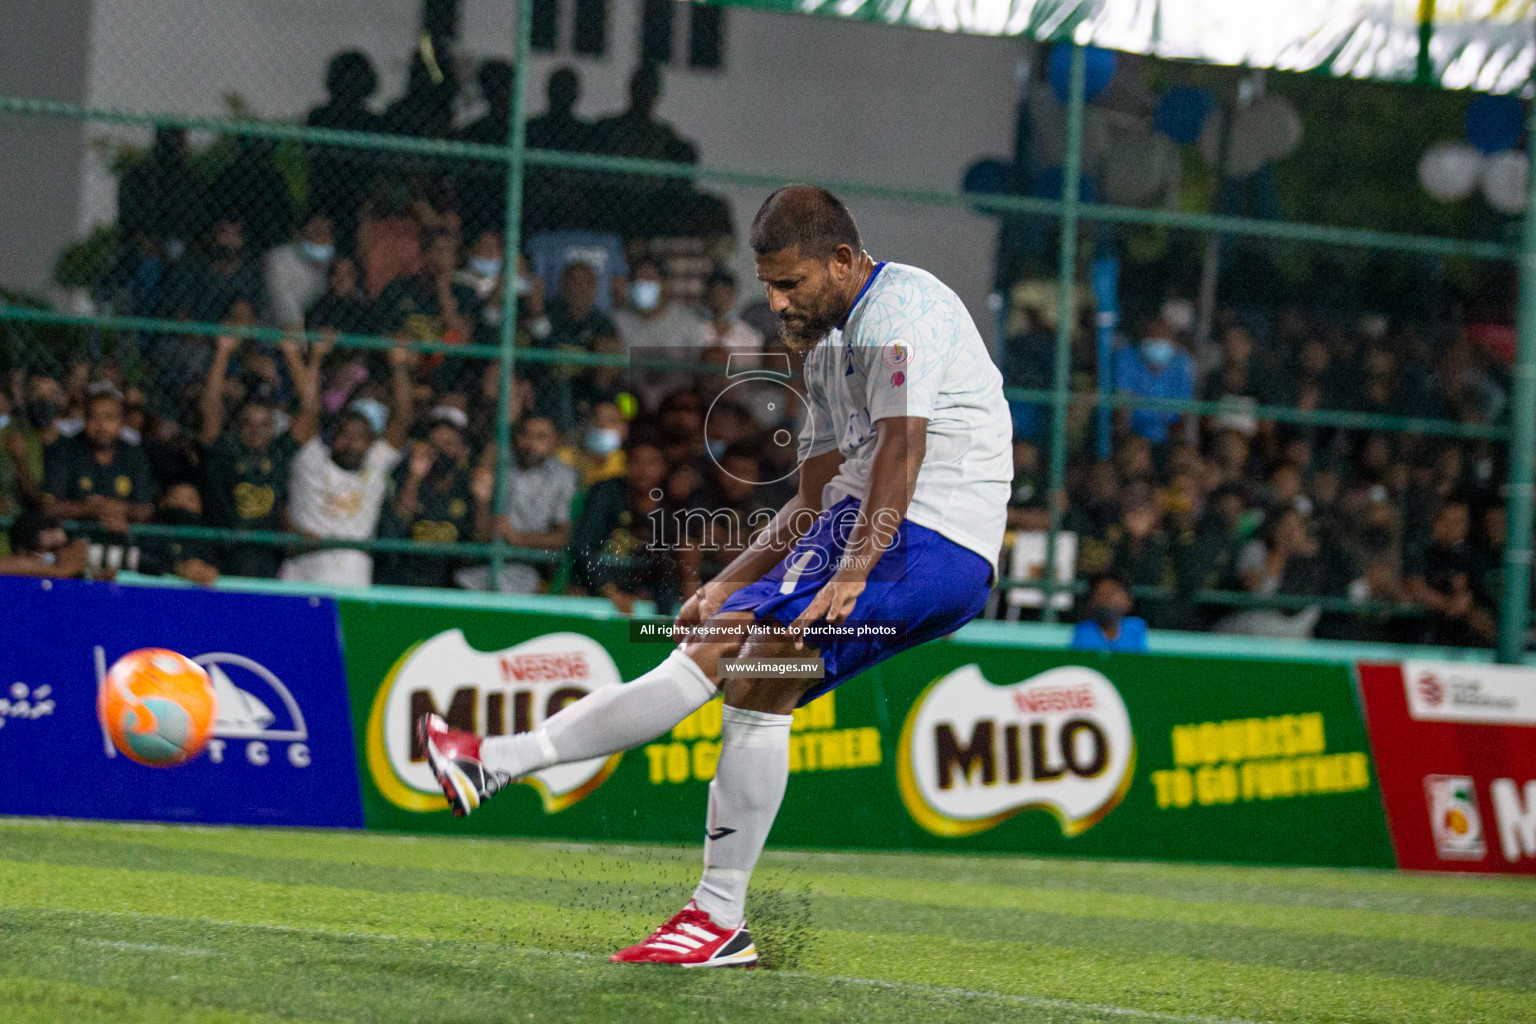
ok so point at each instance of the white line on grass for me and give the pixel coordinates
(1041, 1002)
(145, 947)
(1044, 1002)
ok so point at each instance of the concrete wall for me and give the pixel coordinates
(810, 98)
(43, 54)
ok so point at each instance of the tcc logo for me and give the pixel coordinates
(247, 725)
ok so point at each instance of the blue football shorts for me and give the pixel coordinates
(925, 585)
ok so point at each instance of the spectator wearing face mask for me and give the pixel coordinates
(1108, 624)
(481, 274)
(430, 502)
(655, 328)
(31, 428)
(1156, 368)
(192, 560)
(601, 455)
(536, 493)
(296, 273)
(337, 489)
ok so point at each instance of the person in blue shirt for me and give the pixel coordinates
(1109, 624)
(1156, 368)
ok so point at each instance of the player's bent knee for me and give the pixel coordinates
(721, 637)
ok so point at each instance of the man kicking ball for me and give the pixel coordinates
(891, 541)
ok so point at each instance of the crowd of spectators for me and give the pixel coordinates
(637, 485)
(1405, 531)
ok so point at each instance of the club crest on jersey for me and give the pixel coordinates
(490, 693)
(974, 754)
(898, 379)
(898, 355)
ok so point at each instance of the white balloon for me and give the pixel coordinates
(1267, 131)
(1139, 167)
(1505, 176)
(1449, 170)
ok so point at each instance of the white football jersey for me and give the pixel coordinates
(329, 501)
(910, 348)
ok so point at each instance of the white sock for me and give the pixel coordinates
(744, 799)
(607, 720)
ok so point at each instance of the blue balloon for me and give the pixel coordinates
(1494, 123)
(1181, 113)
(990, 175)
(1050, 183)
(1099, 69)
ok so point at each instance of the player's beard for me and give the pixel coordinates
(805, 332)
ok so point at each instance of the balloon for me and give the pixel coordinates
(1098, 72)
(1267, 131)
(990, 174)
(1449, 170)
(1182, 112)
(1504, 181)
(1494, 123)
(1139, 169)
(1049, 183)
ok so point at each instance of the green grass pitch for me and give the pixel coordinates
(149, 925)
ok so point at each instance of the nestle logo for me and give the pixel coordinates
(1432, 690)
(541, 668)
(1054, 698)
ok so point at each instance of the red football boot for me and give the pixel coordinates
(692, 939)
(455, 758)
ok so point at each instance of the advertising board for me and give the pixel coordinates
(281, 751)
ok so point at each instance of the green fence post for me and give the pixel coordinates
(1066, 314)
(1522, 440)
(512, 246)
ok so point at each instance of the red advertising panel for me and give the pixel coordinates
(1455, 748)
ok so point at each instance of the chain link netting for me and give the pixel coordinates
(290, 307)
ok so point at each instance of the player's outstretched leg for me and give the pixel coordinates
(606, 721)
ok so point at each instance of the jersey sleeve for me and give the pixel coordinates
(909, 344)
(818, 434)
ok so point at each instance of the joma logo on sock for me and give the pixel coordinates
(972, 754)
(492, 693)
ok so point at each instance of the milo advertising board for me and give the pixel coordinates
(957, 746)
(1134, 756)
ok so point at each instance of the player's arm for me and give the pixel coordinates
(306, 377)
(397, 430)
(211, 403)
(901, 442)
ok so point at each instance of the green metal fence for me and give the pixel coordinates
(511, 162)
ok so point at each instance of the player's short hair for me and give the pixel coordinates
(804, 217)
